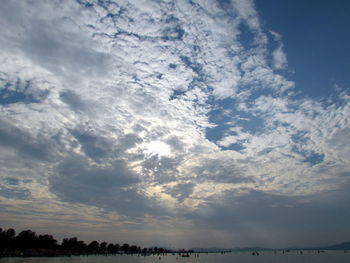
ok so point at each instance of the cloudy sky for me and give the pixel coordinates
(167, 122)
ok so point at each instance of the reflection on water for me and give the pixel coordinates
(264, 257)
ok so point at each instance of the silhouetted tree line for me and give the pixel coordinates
(28, 243)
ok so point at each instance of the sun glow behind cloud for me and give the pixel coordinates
(157, 148)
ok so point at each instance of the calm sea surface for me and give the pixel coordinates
(264, 257)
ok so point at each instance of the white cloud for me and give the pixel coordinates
(279, 58)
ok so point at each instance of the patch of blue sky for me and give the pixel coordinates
(11, 181)
(222, 129)
(301, 139)
(13, 93)
(198, 81)
(196, 67)
(317, 68)
(226, 116)
(273, 42)
(222, 122)
(246, 37)
(238, 147)
(218, 115)
(314, 158)
(177, 93)
(227, 103)
(85, 3)
(226, 6)
(257, 91)
(113, 16)
(251, 124)
(19, 194)
(173, 33)
(216, 133)
(171, 19)
(272, 45)
(106, 4)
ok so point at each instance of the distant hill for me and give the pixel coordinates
(237, 249)
(210, 249)
(341, 246)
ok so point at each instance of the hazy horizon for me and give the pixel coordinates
(176, 123)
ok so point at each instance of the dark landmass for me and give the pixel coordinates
(342, 246)
(239, 249)
(28, 244)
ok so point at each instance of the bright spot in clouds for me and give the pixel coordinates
(157, 148)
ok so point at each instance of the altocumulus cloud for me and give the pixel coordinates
(150, 118)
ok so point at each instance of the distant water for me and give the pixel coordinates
(264, 257)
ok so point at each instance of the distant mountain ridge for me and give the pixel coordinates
(341, 246)
(237, 249)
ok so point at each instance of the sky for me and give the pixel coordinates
(187, 123)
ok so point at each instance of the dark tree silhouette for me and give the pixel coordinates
(103, 247)
(111, 249)
(7, 239)
(125, 248)
(117, 247)
(27, 243)
(134, 249)
(93, 247)
(73, 244)
(47, 241)
(26, 239)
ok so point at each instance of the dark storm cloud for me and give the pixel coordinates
(233, 209)
(163, 170)
(94, 146)
(221, 171)
(127, 141)
(73, 101)
(23, 143)
(110, 187)
(276, 220)
(80, 171)
(175, 143)
(181, 191)
(98, 147)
